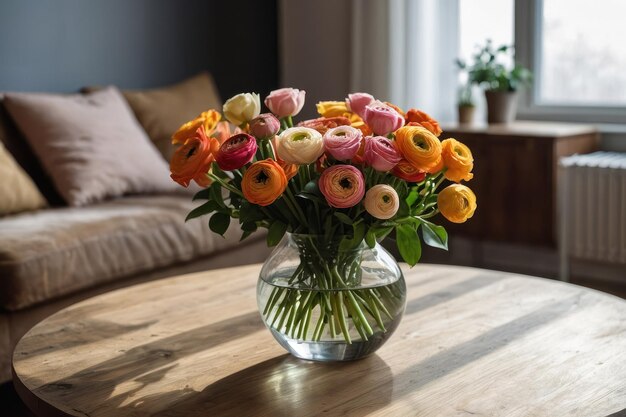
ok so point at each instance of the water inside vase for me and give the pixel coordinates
(331, 325)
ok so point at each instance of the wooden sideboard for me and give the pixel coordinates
(515, 177)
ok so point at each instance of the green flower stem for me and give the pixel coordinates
(225, 184)
(325, 289)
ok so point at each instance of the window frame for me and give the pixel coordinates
(527, 34)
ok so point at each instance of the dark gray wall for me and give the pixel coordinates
(62, 45)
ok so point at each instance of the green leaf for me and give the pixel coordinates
(244, 235)
(370, 238)
(357, 237)
(216, 194)
(249, 227)
(203, 194)
(219, 223)
(343, 218)
(403, 210)
(275, 233)
(412, 197)
(250, 213)
(408, 244)
(383, 232)
(435, 236)
(206, 208)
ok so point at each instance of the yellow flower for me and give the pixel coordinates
(458, 160)
(264, 182)
(419, 146)
(457, 203)
(209, 119)
(332, 108)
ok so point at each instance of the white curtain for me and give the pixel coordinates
(404, 50)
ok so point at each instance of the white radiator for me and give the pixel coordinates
(592, 208)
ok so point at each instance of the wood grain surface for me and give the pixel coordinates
(472, 343)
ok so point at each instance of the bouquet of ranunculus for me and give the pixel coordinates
(361, 170)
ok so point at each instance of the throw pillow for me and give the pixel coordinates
(91, 145)
(17, 191)
(23, 154)
(161, 111)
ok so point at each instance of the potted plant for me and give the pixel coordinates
(500, 81)
(466, 105)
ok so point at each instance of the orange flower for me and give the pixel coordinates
(263, 182)
(458, 160)
(419, 146)
(192, 161)
(207, 119)
(290, 169)
(424, 120)
(396, 108)
(437, 167)
(457, 203)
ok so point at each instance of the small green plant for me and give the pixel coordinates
(465, 96)
(488, 71)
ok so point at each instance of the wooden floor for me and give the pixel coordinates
(10, 403)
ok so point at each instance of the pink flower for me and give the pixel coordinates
(381, 118)
(237, 151)
(342, 185)
(380, 153)
(358, 101)
(264, 126)
(285, 102)
(342, 142)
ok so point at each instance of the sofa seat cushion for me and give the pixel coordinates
(54, 252)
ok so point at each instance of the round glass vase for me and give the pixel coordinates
(325, 302)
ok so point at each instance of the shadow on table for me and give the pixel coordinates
(287, 386)
(146, 364)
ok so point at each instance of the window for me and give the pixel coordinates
(582, 54)
(484, 19)
(577, 53)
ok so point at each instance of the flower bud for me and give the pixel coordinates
(381, 118)
(242, 108)
(264, 126)
(285, 101)
(357, 102)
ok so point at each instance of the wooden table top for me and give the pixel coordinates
(472, 342)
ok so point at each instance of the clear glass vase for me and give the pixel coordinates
(326, 303)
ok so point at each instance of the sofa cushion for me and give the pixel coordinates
(91, 145)
(19, 148)
(161, 111)
(54, 252)
(17, 191)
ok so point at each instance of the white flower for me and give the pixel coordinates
(242, 108)
(382, 201)
(300, 145)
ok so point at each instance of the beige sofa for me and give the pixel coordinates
(59, 255)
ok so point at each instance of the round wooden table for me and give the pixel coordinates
(472, 342)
